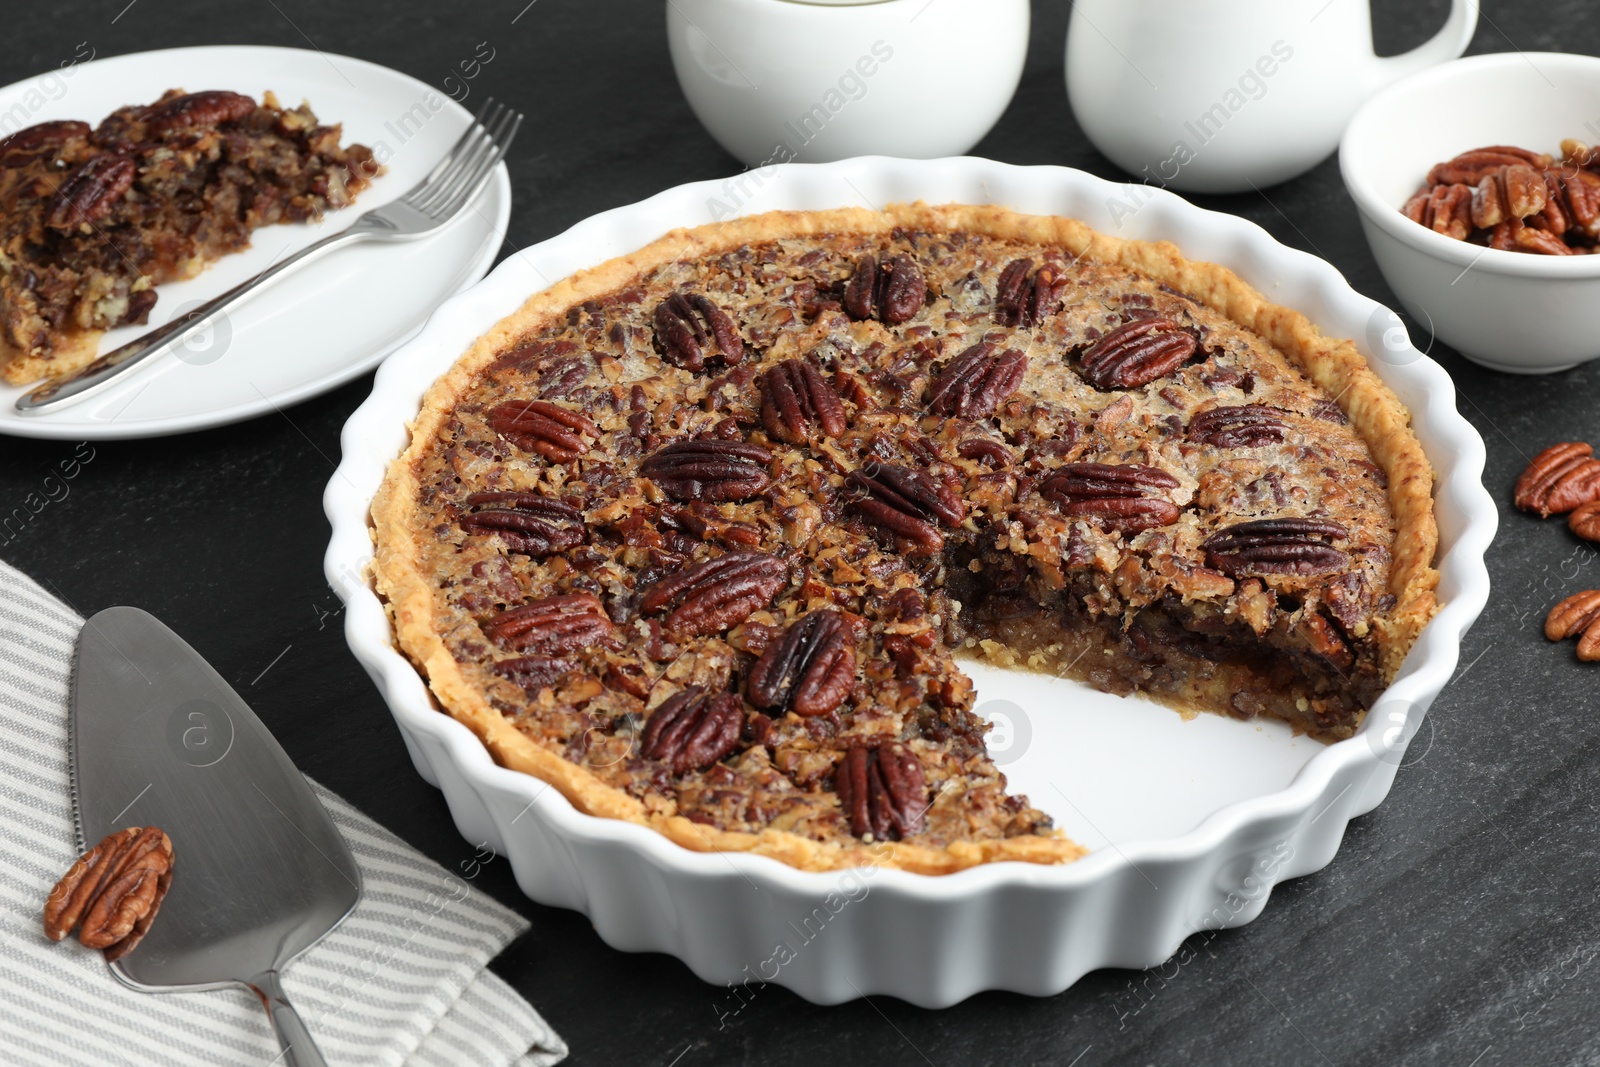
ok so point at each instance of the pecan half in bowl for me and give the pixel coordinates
(841, 582)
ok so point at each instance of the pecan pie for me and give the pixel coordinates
(91, 220)
(698, 535)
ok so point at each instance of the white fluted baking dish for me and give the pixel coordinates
(1190, 822)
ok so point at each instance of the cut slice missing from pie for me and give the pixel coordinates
(92, 220)
(697, 535)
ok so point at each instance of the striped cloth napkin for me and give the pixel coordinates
(401, 981)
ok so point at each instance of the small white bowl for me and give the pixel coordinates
(1512, 311)
(779, 81)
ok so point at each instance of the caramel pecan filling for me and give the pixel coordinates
(717, 536)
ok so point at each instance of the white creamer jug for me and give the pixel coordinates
(1228, 95)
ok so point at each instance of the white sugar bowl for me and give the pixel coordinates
(778, 81)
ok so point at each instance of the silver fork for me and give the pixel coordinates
(434, 201)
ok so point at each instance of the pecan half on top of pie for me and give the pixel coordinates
(694, 534)
(91, 220)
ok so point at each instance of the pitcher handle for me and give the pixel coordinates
(1449, 43)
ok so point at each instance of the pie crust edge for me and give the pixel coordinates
(1335, 366)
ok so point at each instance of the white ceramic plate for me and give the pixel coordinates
(1191, 822)
(321, 326)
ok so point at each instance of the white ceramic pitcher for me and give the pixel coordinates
(1226, 95)
(779, 81)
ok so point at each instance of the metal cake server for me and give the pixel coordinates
(260, 873)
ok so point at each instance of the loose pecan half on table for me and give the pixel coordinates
(1577, 616)
(1559, 479)
(112, 893)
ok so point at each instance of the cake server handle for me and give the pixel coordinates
(118, 361)
(298, 1048)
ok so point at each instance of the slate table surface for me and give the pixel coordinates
(1457, 925)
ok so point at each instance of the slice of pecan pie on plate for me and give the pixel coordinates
(92, 220)
(700, 535)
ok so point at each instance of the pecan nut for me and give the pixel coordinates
(1277, 546)
(1578, 614)
(1514, 235)
(1024, 300)
(542, 427)
(1514, 200)
(706, 522)
(1578, 154)
(1137, 353)
(553, 626)
(1559, 479)
(534, 673)
(1585, 521)
(711, 596)
(31, 141)
(1469, 168)
(91, 192)
(1515, 191)
(199, 111)
(692, 330)
(882, 791)
(1115, 494)
(810, 670)
(988, 453)
(112, 893)
(1244, 426)
(690, 730)
(905, 503)
(892, 292)
(796, 402)
(709, 469)
(560, 378)
(1555, 219)
(528, 523)
(1445, 209)
(1580, 197)
(972, 385)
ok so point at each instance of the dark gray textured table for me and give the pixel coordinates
(1458, 924)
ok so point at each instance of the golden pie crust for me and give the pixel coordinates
(1334, 366)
